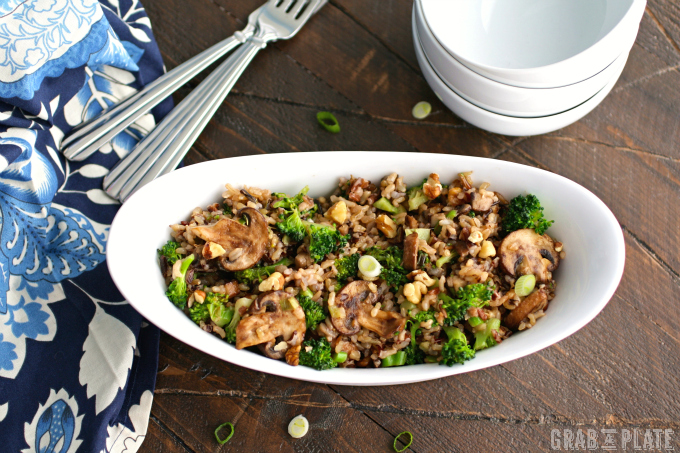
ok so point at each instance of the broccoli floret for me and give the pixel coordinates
(525, 212)
(292, 226)
(213, 308)
(287, 202)
(416, 196)
(415, 355)
(390, 257)
(314, 313)
(169, 250)
(199, 312)
(319, 356)
(394, 278)
(456, 350)
(220, 314)
(476, 295)
(324, 239)
(177, 291)
(485, 339)
(347, 267)
(257, 274)
(423, 316)
(392, 272)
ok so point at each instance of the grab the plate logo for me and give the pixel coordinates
(612, 439)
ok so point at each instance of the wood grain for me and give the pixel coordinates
(355, 59)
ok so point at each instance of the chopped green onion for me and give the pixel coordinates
(396, 359)
(369, 266)
(471, 214)
(340, 357)
(328, 121)
(421, 110)
(298, 426)
(217, 435)
(525, 285)
(451, 214)
(475, 321)
(410, 441)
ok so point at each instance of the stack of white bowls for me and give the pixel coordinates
(524, 67)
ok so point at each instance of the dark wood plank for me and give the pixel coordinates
(160, 439)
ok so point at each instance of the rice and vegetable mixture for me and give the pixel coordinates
(374, 275)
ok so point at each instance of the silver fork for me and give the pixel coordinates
(162, 150)
(90, 136)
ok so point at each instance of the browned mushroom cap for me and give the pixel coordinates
(352, 308)
(268, 321)
(525, 252)
(480, 203)
(250, 240)
(530, 304)
(411, 251)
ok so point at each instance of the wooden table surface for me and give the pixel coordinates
(356, 59)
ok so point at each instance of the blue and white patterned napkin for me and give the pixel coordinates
(77, 363)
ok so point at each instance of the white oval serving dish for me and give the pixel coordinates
(507, 99)
(534, 43)
(586, 279)
(505, 124)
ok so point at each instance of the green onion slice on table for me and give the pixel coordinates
(410, 441)
(421, 110)
(226, 439)
(328, 121)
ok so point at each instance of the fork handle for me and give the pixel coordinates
(191, 116)
(91, 136)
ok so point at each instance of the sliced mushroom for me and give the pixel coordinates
(410, 260)
(270, 349)
(384, 323)
(231, 235)
(534, 301)
(465, 209)
(525, 252)
(352, 308)
(480, 203)
(269, 321)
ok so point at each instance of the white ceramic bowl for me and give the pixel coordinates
(587, 278)
(507, 99)
(502, 124)
(534, 43)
